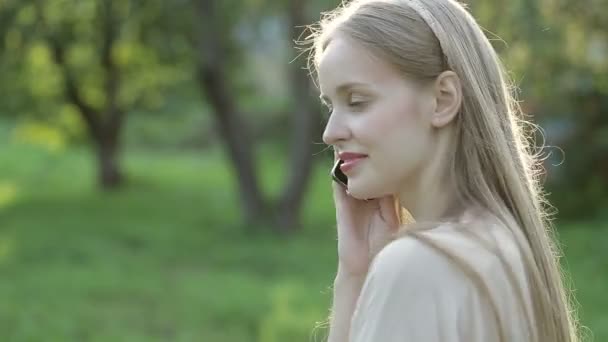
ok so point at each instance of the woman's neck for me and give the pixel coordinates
(431, 194)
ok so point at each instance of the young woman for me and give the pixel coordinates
(423, 118)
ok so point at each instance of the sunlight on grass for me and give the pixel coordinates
(8, 193)
(38, 134)
(289, 319)
(7, 244)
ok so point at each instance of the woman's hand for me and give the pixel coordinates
(364, 228)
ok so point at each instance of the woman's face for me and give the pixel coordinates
(377, 112)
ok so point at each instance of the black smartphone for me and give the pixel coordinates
(338, 175)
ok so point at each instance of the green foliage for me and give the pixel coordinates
(34, 83)
(557, 53)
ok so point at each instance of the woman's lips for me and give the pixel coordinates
(349, 164)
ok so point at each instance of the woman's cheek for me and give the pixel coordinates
(379, 122)
(386, 125)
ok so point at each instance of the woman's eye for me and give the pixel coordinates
(353, 104)
(357, 104)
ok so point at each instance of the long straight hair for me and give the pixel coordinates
(493, 162)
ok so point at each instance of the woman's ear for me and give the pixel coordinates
(448, 97)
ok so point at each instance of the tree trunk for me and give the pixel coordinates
(237, 143)
(303, 128)
(109, 174)
(232, 129)
(104, 125)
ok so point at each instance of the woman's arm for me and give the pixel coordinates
(347, 288)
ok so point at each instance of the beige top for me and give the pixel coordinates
(415, 293)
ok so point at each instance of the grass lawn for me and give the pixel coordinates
(165, 259)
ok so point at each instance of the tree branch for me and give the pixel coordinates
(112, 84)
(70, 88)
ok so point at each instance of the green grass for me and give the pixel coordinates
(165, 259)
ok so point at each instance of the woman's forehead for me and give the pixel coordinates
(344, 61)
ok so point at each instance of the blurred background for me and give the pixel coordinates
(163, 177)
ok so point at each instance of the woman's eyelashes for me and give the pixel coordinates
(353, 104)
(357, 104)
(328, 109)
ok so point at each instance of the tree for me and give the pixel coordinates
(214, 81)
(558, 55)
(303, 119)
(215, 52)
(91, 55)
(104, 122)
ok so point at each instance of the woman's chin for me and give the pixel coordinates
(367, 190)
(360, 193)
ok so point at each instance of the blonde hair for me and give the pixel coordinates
(493, 162)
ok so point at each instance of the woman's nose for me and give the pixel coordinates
(335, 130)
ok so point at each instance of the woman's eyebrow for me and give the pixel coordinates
(342, 89)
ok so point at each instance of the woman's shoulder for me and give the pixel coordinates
(450, 276)
(454, 254)
(411, 257)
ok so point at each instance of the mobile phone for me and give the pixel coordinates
(338, 175)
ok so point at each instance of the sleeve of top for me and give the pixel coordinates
(415, 293)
